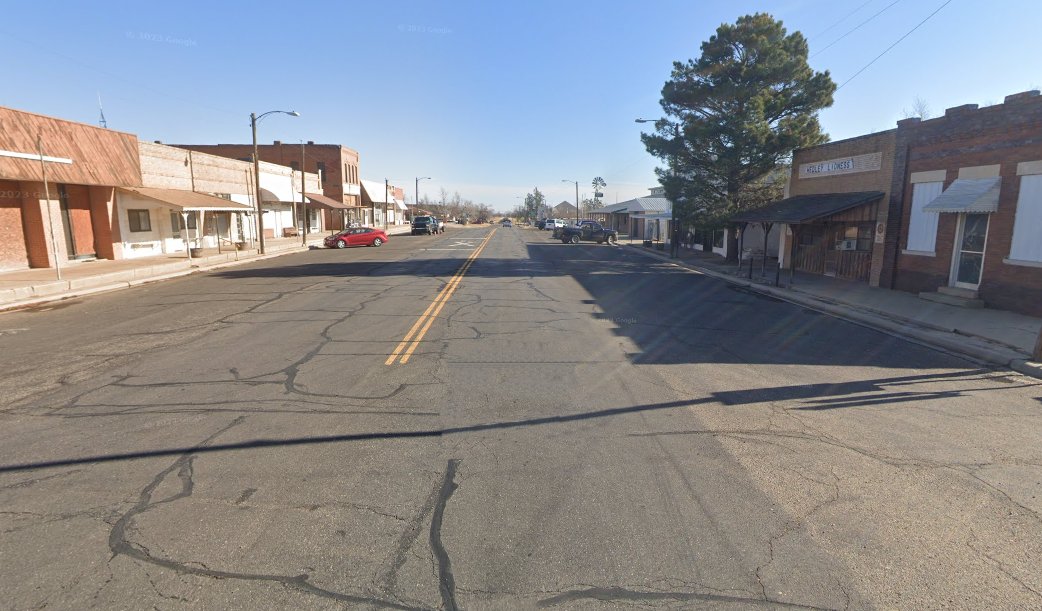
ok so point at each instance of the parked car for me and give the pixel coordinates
(540, 224)
(551, 224)
(589, 231)
(356, 236)
(428, 225)
(506, 223)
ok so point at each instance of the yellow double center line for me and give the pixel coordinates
(415, 335)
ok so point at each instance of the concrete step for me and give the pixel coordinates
(958, 292)
(953, 300)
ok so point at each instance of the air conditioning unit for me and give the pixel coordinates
(846, 245)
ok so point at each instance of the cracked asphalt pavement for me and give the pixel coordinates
(580, 427)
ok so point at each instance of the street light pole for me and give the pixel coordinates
(576, 198)
(416, 201)
(254, 118)
(674, 246)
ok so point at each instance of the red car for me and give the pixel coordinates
(356, 236)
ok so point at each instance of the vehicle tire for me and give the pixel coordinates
(574, 239)
(377, 241)
(341, 244)
(612, 240)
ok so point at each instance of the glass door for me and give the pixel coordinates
(969, 251)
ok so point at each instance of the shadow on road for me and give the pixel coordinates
(825, 396)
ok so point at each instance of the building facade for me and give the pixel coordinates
(846, 242)
(337, 165)
(966, 205)
(62, 207)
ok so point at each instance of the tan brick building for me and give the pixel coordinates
(834, 217)
(335, 163)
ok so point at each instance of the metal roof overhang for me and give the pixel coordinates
(968, 195)
(326, 202)
(806, 208)
(188, 200)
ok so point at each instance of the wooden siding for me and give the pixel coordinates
(99, 156)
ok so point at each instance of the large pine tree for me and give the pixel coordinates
(733, 118)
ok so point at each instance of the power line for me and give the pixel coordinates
(844, 18)
(856, 28)
(885, 51)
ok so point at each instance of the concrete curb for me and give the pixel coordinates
(58, 290)
(977, 349)
(135, 280)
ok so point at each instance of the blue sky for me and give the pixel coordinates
(489, 98)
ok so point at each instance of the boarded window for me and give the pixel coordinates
(139, 220)
(922, 226)
(1027, 227)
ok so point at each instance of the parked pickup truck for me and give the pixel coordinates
(589, 231)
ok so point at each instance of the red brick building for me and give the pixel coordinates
(965, 206)
(74, 215)
(337, 165)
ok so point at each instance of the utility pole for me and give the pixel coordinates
(256, 186)
(386, 188)
(303, 202)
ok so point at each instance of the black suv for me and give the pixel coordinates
(425, 224)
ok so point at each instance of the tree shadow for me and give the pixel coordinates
(824, 396)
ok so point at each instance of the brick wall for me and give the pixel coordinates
(79, 216)
(12, 234)
(107, 239)
(868, 180)
(1003, 135)
(34, 221)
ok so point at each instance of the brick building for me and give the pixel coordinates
(335, 163)
(832, 221)
(966, 206)
(73, 216)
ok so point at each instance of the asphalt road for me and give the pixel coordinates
(573, 427)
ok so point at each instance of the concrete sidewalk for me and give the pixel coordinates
(30, 287)
(992, 336)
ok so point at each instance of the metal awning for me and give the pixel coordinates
(401, 205)
(806, 208)
(968, 195)
(326, 202)
(188, 200)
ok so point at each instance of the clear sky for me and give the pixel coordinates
(490, 98)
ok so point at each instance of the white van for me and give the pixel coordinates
(552, 224)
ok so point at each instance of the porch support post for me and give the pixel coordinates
(766, 233)
(741, 243)
(792, 253)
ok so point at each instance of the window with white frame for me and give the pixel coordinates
(922, 226)
(1027, 226)
(139, 220)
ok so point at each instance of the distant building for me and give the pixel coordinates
(564, 210)
(335, 163)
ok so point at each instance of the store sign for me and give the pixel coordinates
(830, 167)
(842, 165)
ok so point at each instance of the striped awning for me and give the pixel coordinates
(965, 195)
